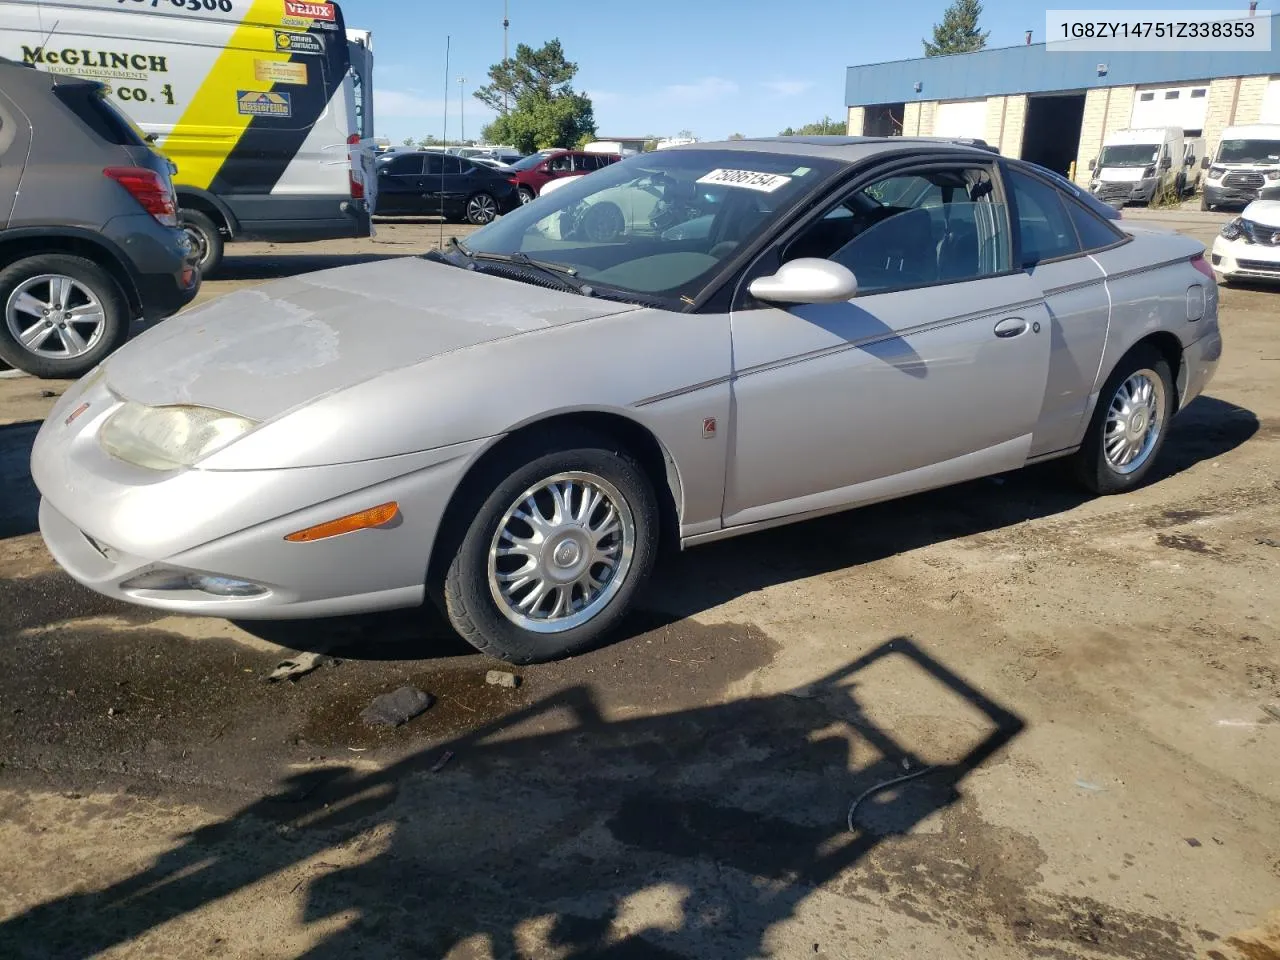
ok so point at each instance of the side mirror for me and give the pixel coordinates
(1093, 164)
(1166, 163)
(806, 280)
(1204, 163)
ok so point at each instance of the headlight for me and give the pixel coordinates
(1094, 184)
(1215, 173)
(166, 438)
(1233, 229)
(1273, 174)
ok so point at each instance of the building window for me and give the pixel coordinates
(1192, 133)
(1147, 96)
(1171, 94)
(1198, 92)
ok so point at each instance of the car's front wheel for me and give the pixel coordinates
(1129, 424)
(552, 559)
(61, 315)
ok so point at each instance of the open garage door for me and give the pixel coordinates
(961, 118)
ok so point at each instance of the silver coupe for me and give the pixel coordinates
(510, 425)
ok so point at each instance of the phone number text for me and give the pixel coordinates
(190, 6)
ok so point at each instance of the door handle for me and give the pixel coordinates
(1011, 327)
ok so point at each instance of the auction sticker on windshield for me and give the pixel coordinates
(748, 179)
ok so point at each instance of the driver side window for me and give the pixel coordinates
(912, 229)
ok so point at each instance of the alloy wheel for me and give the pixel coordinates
(55, 317)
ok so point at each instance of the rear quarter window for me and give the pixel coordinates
(92, 109)
(1095, 233)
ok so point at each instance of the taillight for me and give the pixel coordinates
(357, 188)
(513, 180)
(151, 190)
(1199, 262)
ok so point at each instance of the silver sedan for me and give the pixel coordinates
(509, 426)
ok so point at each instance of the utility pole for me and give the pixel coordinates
(462, 114)
(506, 24)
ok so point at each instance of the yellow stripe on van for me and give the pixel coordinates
(212, 124)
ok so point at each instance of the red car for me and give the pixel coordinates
(539, 169)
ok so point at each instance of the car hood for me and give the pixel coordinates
(1265, 212)
(261, 352)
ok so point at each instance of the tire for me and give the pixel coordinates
(481, 209)
(1101, 474)
(469, 594)
(526, 195)
(206, 236)
(72, 347)
(602, 222)
(1205, 204)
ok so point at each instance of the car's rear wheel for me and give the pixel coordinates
(1129, 424)
(551, 560)
(206, 239)
(526, 195)
(61, 315)
(481, 209)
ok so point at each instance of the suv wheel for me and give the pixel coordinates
(61, 315)
(205, 238)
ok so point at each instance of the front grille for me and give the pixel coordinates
(1243, 181)
(1261, 234)
(1259, 266)
(1114, 191)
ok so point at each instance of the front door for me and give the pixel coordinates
(933, 373)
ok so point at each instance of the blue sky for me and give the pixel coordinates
(714, 67)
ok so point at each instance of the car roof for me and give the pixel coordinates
(838, 148)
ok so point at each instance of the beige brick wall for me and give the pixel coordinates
(1219, 110)
(1015, 121)
(911, 119)
(1249, 103)
(995, 120)
(857, 120)
(928, 113)
(1105, 110)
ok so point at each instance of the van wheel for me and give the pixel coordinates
(1205, 204)
(61, 315)
(206, 239)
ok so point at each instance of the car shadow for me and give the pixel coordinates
(275, 265)
(736, 813)
(19, 499)
(691, 582)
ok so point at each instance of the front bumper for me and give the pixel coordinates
(1138, 191)
(1222, 196)
(1239, 259)
(107, 522)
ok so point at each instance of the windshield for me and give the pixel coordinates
(1129, 155)
(1249, 151)
(529, 162)
(660, 224)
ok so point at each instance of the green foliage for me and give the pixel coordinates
(826, 127)
(736, 136)
(544, 110)
(958, 32)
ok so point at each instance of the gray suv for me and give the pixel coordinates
(89, 235)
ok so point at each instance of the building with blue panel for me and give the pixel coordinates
(1055, 107)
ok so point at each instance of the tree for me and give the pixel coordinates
(544, 72)
(958, 32)
(409, 142)
(537, 122)
(536, 103)
(685, 135)
(736, 136)
(826, 127)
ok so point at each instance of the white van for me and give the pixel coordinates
(260, 105)
(1245, 167)
(1139, 164)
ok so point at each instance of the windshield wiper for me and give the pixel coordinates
(566, 276)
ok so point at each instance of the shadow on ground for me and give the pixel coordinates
(735, 814)
(274, 265)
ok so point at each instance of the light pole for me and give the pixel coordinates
(462, 118)
(506, 25)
